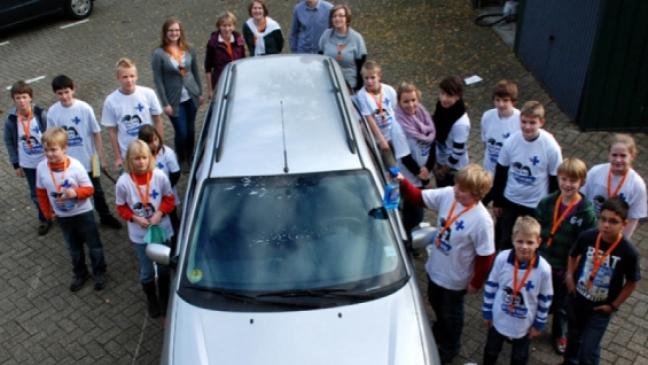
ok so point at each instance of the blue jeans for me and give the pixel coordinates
(494, 342)
(585, 331)
(185, 130)
(448, 306)
(77, 230)
(30, 174)
(146, 265)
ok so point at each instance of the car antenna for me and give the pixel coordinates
(283, 136)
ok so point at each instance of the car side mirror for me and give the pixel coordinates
(423, 236)
(161, 254)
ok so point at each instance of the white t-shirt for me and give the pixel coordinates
(451, 264)
(167, 161)
(125, 193)
(368, 107)
(81, 125)
(73, 177)
(530, 165)
(513, 317)
(458, 135)
(494, 131)
(633, 191)
(31, 153)
(129, 112)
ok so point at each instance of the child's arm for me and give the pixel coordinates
(545, 296)
(625, 293)
(157, 122)
(480, 271)
(490, 289)
(44, 204)
(499, 184)
(380, 139)
(410, 192)
(112, 132)
(572, 264)
(99, 149)
(630, 227)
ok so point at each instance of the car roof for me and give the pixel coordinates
(277, 98)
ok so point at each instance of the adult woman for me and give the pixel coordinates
(177, 82)
(262, 34)
(344, 44)
(224, 46)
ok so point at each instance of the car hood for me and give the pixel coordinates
(387, 330)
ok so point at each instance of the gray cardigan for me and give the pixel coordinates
(169, 81)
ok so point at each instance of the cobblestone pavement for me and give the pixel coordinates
(41, 322)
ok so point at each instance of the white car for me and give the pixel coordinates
(285, 253)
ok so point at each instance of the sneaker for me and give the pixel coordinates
(100, 281)
(111, 222)
(44, 227)
(77, 282)
(560, 345)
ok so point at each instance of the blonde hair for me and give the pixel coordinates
(371, 67)
(135, 149)
(225, 16)
(533, 109)
(474, 179)
(124, 63)
(526, 225)
(626, 140)
(573, 168)
(408, 87)
(55, 137)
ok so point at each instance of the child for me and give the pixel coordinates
(22, 136)
(602, 272)
(224, 46)
(517, 295)
(499, 123)
(165, 160)
(618, 178)
(452, 131)
(63, 187)
(461, 253)
(526, 171)
(563, 215)
(377, 102)
(77, 118)
(127, 109)
(144, 197)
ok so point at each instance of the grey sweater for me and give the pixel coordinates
(169, 81)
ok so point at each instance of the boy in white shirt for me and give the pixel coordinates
(63, 188)
(517, 295)
(526, 171)
(126, 109)
(77, 118)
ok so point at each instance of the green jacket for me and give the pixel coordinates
(580, 220)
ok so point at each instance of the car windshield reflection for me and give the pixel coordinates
(259, 235)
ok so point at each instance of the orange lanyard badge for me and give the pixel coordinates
(610, 193)
(517, 286)
(557, 221)
(144, 199)
(24, 123)
(451, 219)
(57, 187)
(598, 261)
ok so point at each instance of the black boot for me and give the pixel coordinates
(163, 293)
(151, 299)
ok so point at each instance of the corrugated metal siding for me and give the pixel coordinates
(616, 94)
(555, 42)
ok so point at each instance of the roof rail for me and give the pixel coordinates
(341, 103)
(222, 112)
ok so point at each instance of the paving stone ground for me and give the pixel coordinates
(41, 322)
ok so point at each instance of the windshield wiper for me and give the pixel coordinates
(318, 293)
(250, 298)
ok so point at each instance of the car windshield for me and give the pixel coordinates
(265, 235)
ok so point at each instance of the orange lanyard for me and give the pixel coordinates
(24, 123)
(379, 101)
(143, 198)
(598, 261)
(618, 188)
(176, 54)
(451, 219)
(518, 286)
(57, 187)
(557, 221)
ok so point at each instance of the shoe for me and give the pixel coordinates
(111, 222)
(560, 345)
(77, 282)
(44, 227)
(100, 281)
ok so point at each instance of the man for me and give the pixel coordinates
(310, 19)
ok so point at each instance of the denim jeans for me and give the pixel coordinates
(99, 198)
(146, 265)
(558, 305)
(494, 341)
(30, 174)
(185, 129)
(585, 331)
(77, 230)
(448, 306)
